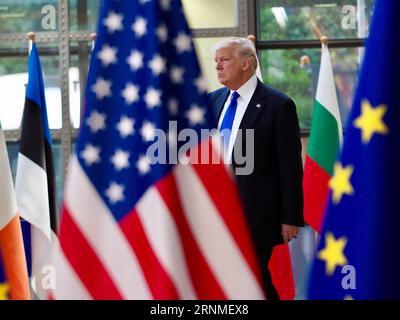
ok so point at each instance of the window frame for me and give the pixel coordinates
(262, 45)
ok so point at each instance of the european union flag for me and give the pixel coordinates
(358, 255)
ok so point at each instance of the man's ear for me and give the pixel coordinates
(246, 65)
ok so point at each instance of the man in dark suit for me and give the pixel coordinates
(272, 193)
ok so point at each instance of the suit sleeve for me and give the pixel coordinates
(290, 164)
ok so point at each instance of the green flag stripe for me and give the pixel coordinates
(324, 138)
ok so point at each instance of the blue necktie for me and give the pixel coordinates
(227, 122)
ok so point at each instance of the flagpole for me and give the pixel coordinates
(93, 37)
(31, 36)
(252, 38)
(324, 40)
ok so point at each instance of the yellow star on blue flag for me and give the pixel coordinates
(340, 182)
(4, 289)
(333, 252)
(370, 121)
(359, 239)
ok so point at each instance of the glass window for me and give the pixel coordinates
(295, 72)
(79, 66)
(83, 14)
(199, 13)
(14, 77)
(311, 19)
(23, 16)
(75, 95)
(207, 13)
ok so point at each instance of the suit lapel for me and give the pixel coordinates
(257, 103)
(219, 104)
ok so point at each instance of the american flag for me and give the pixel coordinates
(132, 228)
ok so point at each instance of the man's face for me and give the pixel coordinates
(229, 67)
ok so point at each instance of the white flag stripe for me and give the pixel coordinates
(68, 286)
(8, 205)
(32, 194)
(214, 239)
(163, 236)
(100, 229)
(326, 92)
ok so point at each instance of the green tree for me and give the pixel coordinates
(305, 20)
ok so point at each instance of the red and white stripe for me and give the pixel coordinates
(181, 241)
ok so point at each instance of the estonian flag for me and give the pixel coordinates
(35, 180)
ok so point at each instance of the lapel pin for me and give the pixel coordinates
(258, 105)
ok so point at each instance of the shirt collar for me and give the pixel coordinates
(247, 89)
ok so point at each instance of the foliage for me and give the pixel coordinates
(282, 68)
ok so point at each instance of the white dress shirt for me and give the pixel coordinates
(246, 91)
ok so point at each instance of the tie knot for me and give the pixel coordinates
(234, 96)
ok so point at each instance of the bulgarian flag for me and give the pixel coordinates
(324, 144)
(13, 270)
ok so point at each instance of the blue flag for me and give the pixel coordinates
(358, 255)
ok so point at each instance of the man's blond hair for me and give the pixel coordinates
(245, 48)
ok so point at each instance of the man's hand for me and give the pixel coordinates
(289, 232)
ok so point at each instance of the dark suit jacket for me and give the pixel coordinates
(272, 193)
